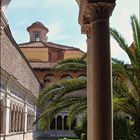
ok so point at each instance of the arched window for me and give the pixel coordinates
(66, 77)
(59, 123)
(66, 127)
(82, 76)
(48, 79)
(73, 125)
(2, 116)
(52, 126)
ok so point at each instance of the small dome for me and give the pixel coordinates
(37, 24)
(37, 32)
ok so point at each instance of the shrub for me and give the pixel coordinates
(123, 130)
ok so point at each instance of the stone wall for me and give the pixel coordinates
(14, 62)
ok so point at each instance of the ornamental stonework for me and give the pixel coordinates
(100, 10)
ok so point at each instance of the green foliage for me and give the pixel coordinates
(123, 130)
(82, 128)
(126, 77)
(58, 96)
(71, 64)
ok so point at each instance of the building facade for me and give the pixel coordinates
(19, 87)
(25, 70)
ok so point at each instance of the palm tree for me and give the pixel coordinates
(64, 94)
(126, 84)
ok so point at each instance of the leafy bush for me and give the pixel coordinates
(123, 130)
(81, 129)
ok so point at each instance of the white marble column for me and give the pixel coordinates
(25, 118)
(7, 116)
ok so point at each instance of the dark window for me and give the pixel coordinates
(66, 127)
(52, 126)
(73, 125)
(37, 36)
(59, 123)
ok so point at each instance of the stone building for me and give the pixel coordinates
(19, 87)
(42, 56)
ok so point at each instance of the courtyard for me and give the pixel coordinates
(64, 91)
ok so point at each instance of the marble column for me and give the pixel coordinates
(25, 117)
(7, 112)
(99, 94)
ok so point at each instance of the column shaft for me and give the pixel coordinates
(7, 115)
(99, 82)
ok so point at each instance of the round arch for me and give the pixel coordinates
(52, 125)
(48, 79)
(59, 122)
(73, 125)
(66, 127)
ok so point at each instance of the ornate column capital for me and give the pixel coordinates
(92, 11)
(100, 10)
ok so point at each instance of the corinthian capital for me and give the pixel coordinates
(100, 10)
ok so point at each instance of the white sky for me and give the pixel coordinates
(61, 17)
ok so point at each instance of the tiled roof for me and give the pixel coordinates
(58, 46)
(48, 45)
(42, 65)
(32, 44)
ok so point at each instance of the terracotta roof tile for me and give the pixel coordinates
(32, 44)
(48, 45)
(42, 65)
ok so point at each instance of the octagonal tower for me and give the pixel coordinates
(37, 32)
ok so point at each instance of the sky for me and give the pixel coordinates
(61, 18)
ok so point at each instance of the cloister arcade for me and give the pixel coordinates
(60, 123)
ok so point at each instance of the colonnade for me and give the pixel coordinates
(17, 118)
(60, 123)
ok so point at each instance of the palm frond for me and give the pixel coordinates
(71, 64)
(76, 110)
(57, 90)
(122, 43)
(136, 31)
